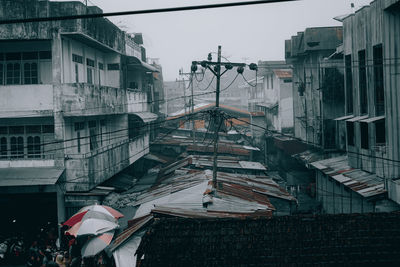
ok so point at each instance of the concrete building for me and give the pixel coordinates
(372, 98)
(75, 103)
(273, 95)
(312, 98)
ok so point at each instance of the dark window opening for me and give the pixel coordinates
(48, 128)
(30, 129)
(1, 74)
(89, 75)
(349, 84)
(45, 54)
(17, 147)
(380, 132)
(350, 133)
(76, 73)
(13, 73)
(77, 59)
(79, 126)
(3, 147)
(378, 80)
(364, 135)
(101, 66)
(16, 129)
(3, 130)
(90, 62)
(362, 82)
(33, 146)
(30, 73)
(29, 55)
(93, 135)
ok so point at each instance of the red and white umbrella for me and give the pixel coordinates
(93, 223)
(77, 217)
(96, 244)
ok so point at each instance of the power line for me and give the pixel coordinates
(146, 11)
(310, 143)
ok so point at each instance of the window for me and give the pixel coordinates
(33, 147)
(90, 67)
(101, 66)
(78, 127)
(378, 80)
(77, 58)
(89, 75)
(350, 133)
(380, 132)
(93, 135)
(3, 147)
(349, 84)
(362, 82)
(16, 129)
(17, 147)
(45, 54)
(48, 128)
(364, 135)
(30, 129)
(114, 66)
(76, 73)
(272, 82)
(30, 73)
(13, 73)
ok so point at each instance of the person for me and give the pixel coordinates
(60, 260)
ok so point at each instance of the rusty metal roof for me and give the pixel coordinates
(364, 183)
(226, 162)
(134, 226)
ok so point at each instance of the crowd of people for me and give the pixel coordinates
(48, 250)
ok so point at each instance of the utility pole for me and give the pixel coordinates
(192, 73)
(217, 118)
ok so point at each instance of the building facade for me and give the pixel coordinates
(75, 100)
(307, 52)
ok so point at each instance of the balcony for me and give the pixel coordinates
(85, 171)
(138, 147)
(82, 99)
(137, 101)
(33, 100)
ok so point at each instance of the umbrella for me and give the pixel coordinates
(104, 209)
(93, 222)
(96, 244)
(77, 217)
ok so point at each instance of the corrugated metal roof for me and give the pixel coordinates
(134, 226)
(344, 118)
(29, 176)
(361, 182)
(358, 118)
(226, 162)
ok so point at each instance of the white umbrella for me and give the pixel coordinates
(93, 226)
(96, 244)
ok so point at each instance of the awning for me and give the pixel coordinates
(135, 62)
(145, 116)
(344, 118)
(373, 119)
(357, 118)
(29, 176)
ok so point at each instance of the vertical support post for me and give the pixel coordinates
(193, 121)
(217, 119)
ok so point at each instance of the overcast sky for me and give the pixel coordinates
(246, 34)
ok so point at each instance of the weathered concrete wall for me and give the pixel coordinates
(100, 29)
(138, 147)
(85, 173)
(87, 100)
(137, 101)
(18, 99)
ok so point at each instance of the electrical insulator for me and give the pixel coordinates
(194, 68)
(228, 66)
(216, 68)
(209, 57)
(204, 64)
(240, 69)
(253, 66)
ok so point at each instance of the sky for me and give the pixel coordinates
(247, 34)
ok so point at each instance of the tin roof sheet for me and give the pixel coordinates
(361, 182)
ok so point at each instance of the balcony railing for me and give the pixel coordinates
(95, 152)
